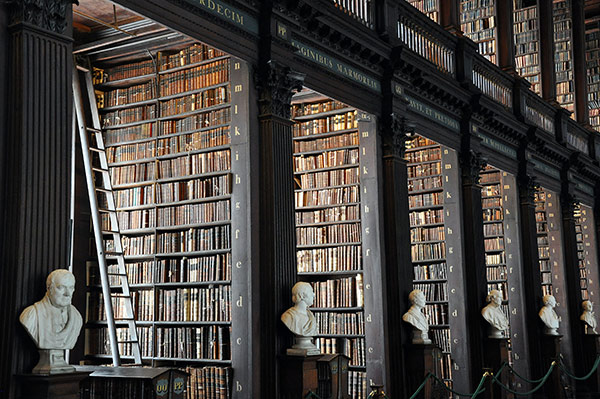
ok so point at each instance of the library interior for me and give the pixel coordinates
(330, 199)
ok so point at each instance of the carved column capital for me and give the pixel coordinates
(528, 186)
(50, 15)
(276, 84)
(472, 163)
(395, 130)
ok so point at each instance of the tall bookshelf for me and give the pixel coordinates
(527, 37)
(592, 58)
(502, 254)
(431, 8)
(543, 241)
(478, 22)
(586, 251)
(563, 54)
(167, 122)
(436, 249)
(334, 226)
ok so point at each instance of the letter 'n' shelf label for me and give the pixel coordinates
(336, 66)
(228, 13)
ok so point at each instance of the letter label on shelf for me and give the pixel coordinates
(240, 302)
(365, 134)
(238, 386)
(238, 179)
(369, 318)
(238, 88)
(238, 264)
(236, 66)
(238, 341)
(237, 131)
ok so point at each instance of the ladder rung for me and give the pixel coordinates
(127, 342)
(104, 210)
(117, 274)
(97, 169)
(93, 129)
(112, 253)
(110, 232)
(103, 190)
(98, 150)
(120, 296)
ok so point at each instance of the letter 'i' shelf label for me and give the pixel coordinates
(228, 13)
(336, 66)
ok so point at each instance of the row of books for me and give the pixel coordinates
(137, 273)
(492, 214)
(493, 229)
(325, 125)
(354, 348)
(429, 7)
(323, 179)
(428, 169)
(205, 342)
(427, 183)
(195, 101)
(544, 265)
(205, 212)
(540, 216)
(331, 323)
(195, 304)
(426, 155)
(489, 191)
(427, 199)
(430, 216)
(194, 141)
(196, 122)
(98, 341)
(189, 190)
(541, 227)
(332, 234)
(137, 173)
(209, 383)
(195, 239)
(326, 143)
(542, 240)
(441, 336)
(137, 132)
(127, 71)
(128, 220)
(418, 142)
(142, 302)
(132, 94)
(112, 388)
(131, 152)
(130, 197)
(195, 78)
(129, 115)
(189, 270)
(432, 251)
(339, 293)
(435, 271)
(494, 273)
(419, 234)
(134, 245)
(433, 291)
(357, 385)
(330, 214)
(329, 196)
(494, 244)
(195, 53)
(316, 108)
(436, 313)
(493, 177)
(331, 259)
(206, 162)
(327, 159)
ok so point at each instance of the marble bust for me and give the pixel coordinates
(53, 323)
(493, 314)
(416, 318)
(588, 318)
(549, 316)
(301, 321)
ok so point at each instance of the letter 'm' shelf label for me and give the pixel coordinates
(238, 88)
(365, 134)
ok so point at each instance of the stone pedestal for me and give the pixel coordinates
(495, 354)
(298, 376)
(420, 360)
(51, 386)
(553, 388)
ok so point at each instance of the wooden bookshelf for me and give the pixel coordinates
(592, 57)
(563, 54)
(436, 250)
(334, 228)
(527, 46)
(168, 124)
(478, 22)
(586, 251)
(431, 8)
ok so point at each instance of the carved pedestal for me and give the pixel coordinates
(495, 354)
(298, 376)
(55, 386)
(553, 388)
(420, 360)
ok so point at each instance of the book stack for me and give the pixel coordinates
(527, 46)
(592, 58)
(563, 54)
(541, 221)
(478, 22)
(431, 8)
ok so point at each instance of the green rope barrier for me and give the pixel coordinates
(513, 371)
(311, 394)
(543, 381)
(588, 375)
(479, 389)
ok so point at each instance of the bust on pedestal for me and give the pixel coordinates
(53, 323)
(549, 316)
(417, 319)
(301, 321)
(493, 314)
(588, 318)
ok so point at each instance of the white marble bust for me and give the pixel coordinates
(53, 323)
(301, 321)
(493, 314)
(416, 318)
(588, 317)
(549, 316)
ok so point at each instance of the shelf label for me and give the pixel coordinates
(238, 386)
(368, 252)
(238, 88)
(237, 205)
(238, 179)
(237, 131)
(367, 230)
(365, 134)
(235, 109)
(238, 264)
(455, 313)
(239, 303)
(238, 341)
(237, 234)
(369, 318)
(371, 350)
(237, 155)
(365, 170)
(367, 286)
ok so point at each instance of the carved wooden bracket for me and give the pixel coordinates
(50, 15)
(277, 84)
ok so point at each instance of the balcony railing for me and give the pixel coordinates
(425, 42)
(535, 113)
(361, 10)
(492, 83)
(576, 138)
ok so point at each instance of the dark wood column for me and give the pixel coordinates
(579, 64)
(277, 238)
(450, 16)
(532, 284)
(398, 263)
(36, 152)
(505, 41)
(471, 164)
(546, 43)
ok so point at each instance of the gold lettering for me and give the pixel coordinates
(237, 131)
(365, 134)
(236, 66)
(238, 88)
